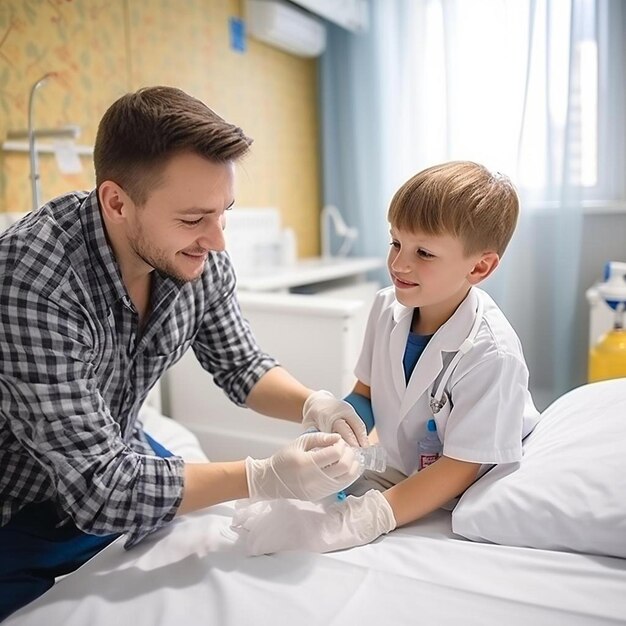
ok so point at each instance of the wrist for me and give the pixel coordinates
(255, 472)
(363, 408)
(385, 518)
(313, 398)
(312, 410)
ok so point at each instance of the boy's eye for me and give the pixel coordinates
(191, 222)
(424, 254)
(395, 244)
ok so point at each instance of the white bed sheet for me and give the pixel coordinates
(192, 573)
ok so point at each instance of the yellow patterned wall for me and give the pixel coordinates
(101, 49)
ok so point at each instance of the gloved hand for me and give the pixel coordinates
(282, 525)
(326, 413)
(311, 467)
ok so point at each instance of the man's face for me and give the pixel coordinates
(183, 218)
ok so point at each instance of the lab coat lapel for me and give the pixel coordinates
(448, 338)
(426, 370)
(402, 317)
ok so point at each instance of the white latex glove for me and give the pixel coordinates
(311, 467)
(282, 525)
(326, 413)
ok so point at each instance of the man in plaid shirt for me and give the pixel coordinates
(101, 292)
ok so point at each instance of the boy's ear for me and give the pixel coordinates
(484, 267)
(114, 201)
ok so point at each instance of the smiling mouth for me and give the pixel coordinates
(404, 282)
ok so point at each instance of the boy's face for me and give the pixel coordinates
(183, 218)
(430, 272)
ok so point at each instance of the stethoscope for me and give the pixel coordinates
(437, 404)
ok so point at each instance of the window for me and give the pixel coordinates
(528, 88)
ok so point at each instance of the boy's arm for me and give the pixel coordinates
(362, 389)
(430, 488)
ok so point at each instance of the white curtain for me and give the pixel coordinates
(522, 86)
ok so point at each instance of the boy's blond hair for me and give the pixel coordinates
(459, 198)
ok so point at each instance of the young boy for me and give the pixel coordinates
(436, 347)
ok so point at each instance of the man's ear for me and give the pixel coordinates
(484, 267)
(114, 201)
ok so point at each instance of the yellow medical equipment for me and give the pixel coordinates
(607, 358)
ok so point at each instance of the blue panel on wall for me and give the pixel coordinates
(237, 29)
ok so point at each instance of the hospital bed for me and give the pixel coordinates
(549, 548)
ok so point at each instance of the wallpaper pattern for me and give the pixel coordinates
(100, 49)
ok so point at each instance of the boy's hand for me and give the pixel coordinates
(310, 468)
(282, 525)
(330, 415)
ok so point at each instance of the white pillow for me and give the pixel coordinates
(569, 490)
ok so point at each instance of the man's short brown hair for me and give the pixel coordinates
(460, 198)
(141, 131)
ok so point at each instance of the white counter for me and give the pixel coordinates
(308, 272)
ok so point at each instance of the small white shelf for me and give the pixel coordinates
(42, 147)
(307, 272)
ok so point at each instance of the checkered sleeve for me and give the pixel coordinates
(49, 392)
(225, 345)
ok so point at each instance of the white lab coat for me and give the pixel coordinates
(489, 409)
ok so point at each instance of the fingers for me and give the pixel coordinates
(246, 511)
(342, 428)
(346, 469)
(352, 430)
(338, 461)
(358, 428)
(311, 441)
(312, 467)
(290, 525)
(330, 454)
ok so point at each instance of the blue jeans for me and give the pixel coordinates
(33, 552)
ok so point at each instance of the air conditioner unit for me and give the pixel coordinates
(279, 24)
(352, 15)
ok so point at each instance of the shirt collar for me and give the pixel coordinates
(453, 332)
(106, 270)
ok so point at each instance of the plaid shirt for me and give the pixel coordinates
(76, 368)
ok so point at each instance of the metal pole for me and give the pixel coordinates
(34, 162)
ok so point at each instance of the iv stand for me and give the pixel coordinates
(34, 163)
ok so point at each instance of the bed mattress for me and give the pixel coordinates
(194, 573)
